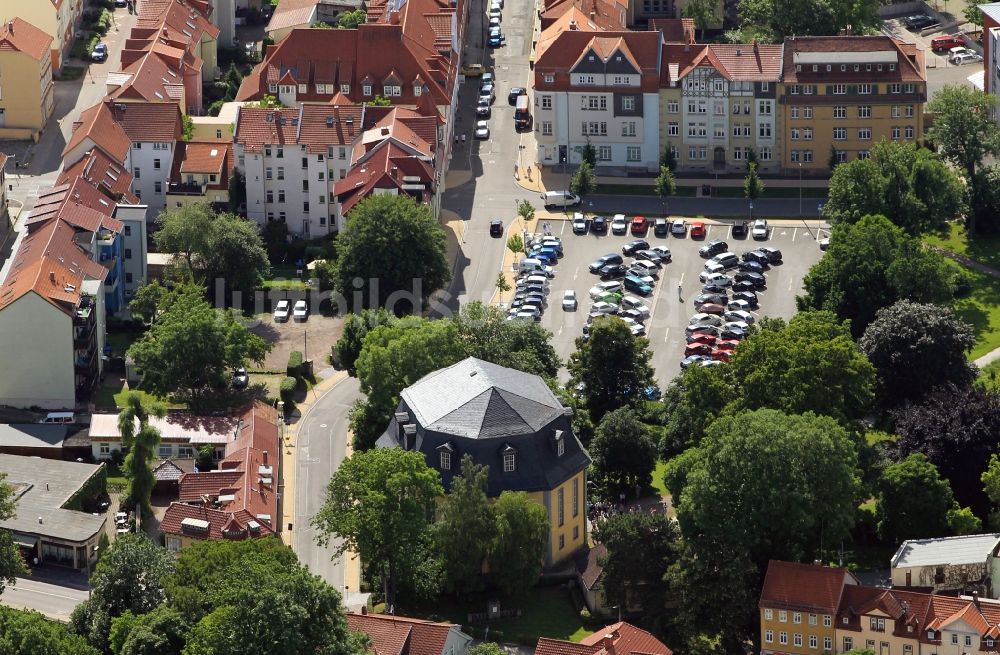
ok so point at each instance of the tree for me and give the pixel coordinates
(485, 333)
(915, 347)
(390, 228)
(233, 79)
(991, 487)
(502, 285)
(912, 501)
(984, 198)
(356, 328)
(871, 264)
(963, 521)
(145, 301)
(777, 19)
(641, 547)
(770, 484)
(809, 364)
(397, 491)
(238, 191)
(11, 562)
(589, 154)
(752, 186)
(668, 158)
(160, 632)
(526, 211)
(908, 185)
(212, 247)
(612, 365)
(973, 14)
(623, 451)
(350, 20)
(834, 160)
(515, 244)
(381, 101)
(518, 550)
(666, 185)
(486, 648)
(702, 12)
(692, 401)
(140, 440)
(465, 528)
(956, 428)
(30, 633)
(206, 458)
(583, 181)
(266, 101)
(129, 577)
(191, 346)
(965, 132)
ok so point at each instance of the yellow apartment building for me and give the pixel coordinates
(26, 90)
(57, 18)
(839, 95)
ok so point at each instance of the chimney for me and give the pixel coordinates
(52, 277)
(608, 641)
(592, 15)
(975, 598)
(264, 454)
(10, 26)
(572, 25)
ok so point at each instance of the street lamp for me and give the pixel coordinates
(751, 210)
(800, 188)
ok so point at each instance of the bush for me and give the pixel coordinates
(295, 365)
(287, 391)
(215, 107)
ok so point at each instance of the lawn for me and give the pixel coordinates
(109, 398)
(545, 612)
(989, 375)
(661, 468)
(981, 309)
(984, 249)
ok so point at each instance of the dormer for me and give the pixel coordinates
(446, 452)
(508, 454)
(558, 440)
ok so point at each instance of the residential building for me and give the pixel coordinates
(223, 16)
(28, 99)
(200, 173)
(798, 605)
(596, 15)
(153, 130)
(216, 128)
(718, 106)
(97, 128)
(617, 639)
(509, 421)
(948, 564)
(849, 92)
(240, 499)
(292, 15)
(991, 41)
(63, 441)
(57, 18)
(599, 88)
(885, 621)
(53, 501)
(159, 74)
(184, 26)
(399, 635)
(182, 434)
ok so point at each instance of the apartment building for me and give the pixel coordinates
(56, 18)
(991, 41)
(200, 173)
(839, 95)
(180, 24)
(718, 106)
(27, 97)
(798, 605)
(599, 88)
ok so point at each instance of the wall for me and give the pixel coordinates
(43, 358)
(27, 94)
(803, 628)
(549, 500)
(883, 643)
(134, 240)
(955, 576)
(143, 160)
(40, 14)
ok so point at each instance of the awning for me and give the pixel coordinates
(25, 540)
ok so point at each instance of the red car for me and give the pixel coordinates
(712, 308)
(702, 337)
(722, 355)
(727, 344)
(639, 226)
(697, 230)
(697, 349)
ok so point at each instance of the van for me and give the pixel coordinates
(59, 417)
(534, 279)
(947, 42)
(531, 265)
(522, 113)
(560, 199)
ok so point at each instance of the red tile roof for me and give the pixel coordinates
(385, 166)
(560, 49)
(99, 125)
(603, 14)
(97, 168)
(152, 77)
(21, 36)
(314, 126)
(78, 202)
(221, 525)
(616, 639)
(674, 30)
(398, 635)
(909, 59)
(753, 62)
(201, 156)
(148, 121)
(808, 587)
(292, 13)
(679, 60)
(244, 488)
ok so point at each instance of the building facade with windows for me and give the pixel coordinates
(599, 89)
(27, 98)
(57, 18)
(839, 95)
(718, 106)
(509, 421)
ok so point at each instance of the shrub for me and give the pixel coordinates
(215, 107)
(295, 365)
(287, 391)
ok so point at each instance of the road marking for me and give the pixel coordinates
(559, 331)
(790, 285)
(729, 231)
(563, 229)
(322, 425)
(682, 279)
(576, 273)
(794, 231)
(666, 335)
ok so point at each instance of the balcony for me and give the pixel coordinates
(185, 189)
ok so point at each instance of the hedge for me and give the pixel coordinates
(295, 368)
(287, 392)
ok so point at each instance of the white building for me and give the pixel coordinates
(181, 435)
(949, 564)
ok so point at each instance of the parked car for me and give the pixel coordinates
(773, 254)
(703, 298)
(713, 247)
(100, 52)
(697, 349)
(599, 225)
(483, 109)
(619, 225)
(759, 230)
(482, 130)
(661, 227)
(610, 286)
(758, 256)
(240, 378)
(647, 267)
(496, 228)
(754, 278)
(678, 227)
(947, 42)
(726, 259)
(634, 246)
(740, 229)
(663, 252)
(743, 285)
(747, 296)
(601, 262)
(918, 22)
(637, 285)
(753, 267)
(579, 224)
(515, 92)
(703, 318)
(495, 39)
(472, 70)
(697, 230)
(711, 308)
(694, 359)
(824, 243)
(560, 199)
(488, 78)
(281, 311)
(611, 271)
(738, 304)
(739, 315)
(650, 255)
(639, 226)
(300, 312)
(488, 91)
(967, 58)
(602, 309)
(715, 278)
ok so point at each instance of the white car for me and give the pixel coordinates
(739, 325)
(579, 223)
(678, 227)
(717, 279)
(759, 230)
(738, 305)
(482, 130)
(618, 224)
(631, 302)
(705, 319)
(637, 330)
(739, 315)
(603, 308)
(663, 252)
(967, 58)
(569, 300)
(300, 311)
(651, 268)
(488, 90)
(281, 311)
(494, 21)
(611, 286)
(713, 267)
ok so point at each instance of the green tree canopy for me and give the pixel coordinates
(752, 184)
(871, 264)
(392, 247)
(916, 347)
(139, 440)
(380, 503)
(145, 301)
(912, 501)
(584, 181)
(769, 484)
(356, 327)
(909, 185)
(349, 20)
(191, 346)
(692, 401)
(11, 562)
(624, 452)
(776, 19)
(522, 534)
(160, 632)
(612, 366)
(702, 12)
(29, 633)
(465, 528)
(214, 246)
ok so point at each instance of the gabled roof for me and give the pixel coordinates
(679, 60)
(561, 47)
(18, 35)
(754, 62)
(148, 121)
(908, 60)
(292, 13)
(98, 124)
(616, 639)
(674, 30)
(78, 203)
(384, 167)
(602, 14)
(151, 78)
(399, 635)
(98, 169)
(807, 587)
(315, 126)
(208, 157)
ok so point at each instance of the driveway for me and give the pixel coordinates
(314, 338)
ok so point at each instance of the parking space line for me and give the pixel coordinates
(794, 230)
(576, 273)
(790, 284)
(729, 232)
(563, 227)
(666, 335)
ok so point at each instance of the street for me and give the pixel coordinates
(54, 601)
(322, 444)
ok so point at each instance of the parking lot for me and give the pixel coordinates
(940, 72)
(669, 316)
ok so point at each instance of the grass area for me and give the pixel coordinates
(984, 249)
(109, 398)
(270, 381)
(981, 309)
(989, 375)
(641, 190)
(770, 192)
(70, 73)
(661, 468)
(286, 277)
(545, 612)
(115, 475)
(120, 341)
